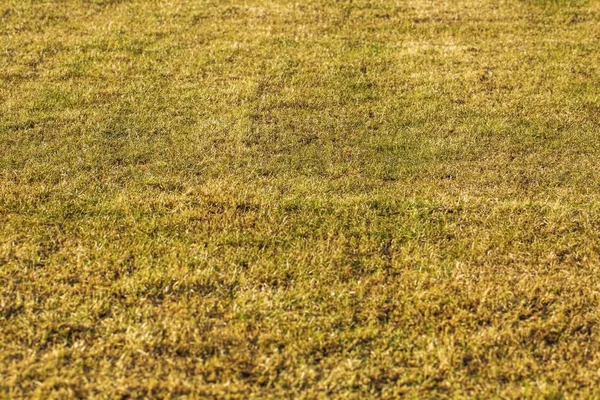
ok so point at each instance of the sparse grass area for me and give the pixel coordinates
(273, 199)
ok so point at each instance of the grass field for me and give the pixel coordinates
(276, 199)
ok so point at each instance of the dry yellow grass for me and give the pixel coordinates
(273, 199)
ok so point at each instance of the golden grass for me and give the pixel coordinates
(269, 199)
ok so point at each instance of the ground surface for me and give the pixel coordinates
(271, 199)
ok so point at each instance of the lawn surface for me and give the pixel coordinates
(276, 199)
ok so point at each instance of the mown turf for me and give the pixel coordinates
(275, 199)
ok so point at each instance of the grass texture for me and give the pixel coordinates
(318, 199)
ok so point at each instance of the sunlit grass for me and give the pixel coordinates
(275, 199)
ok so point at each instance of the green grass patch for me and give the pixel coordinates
(269, 199)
